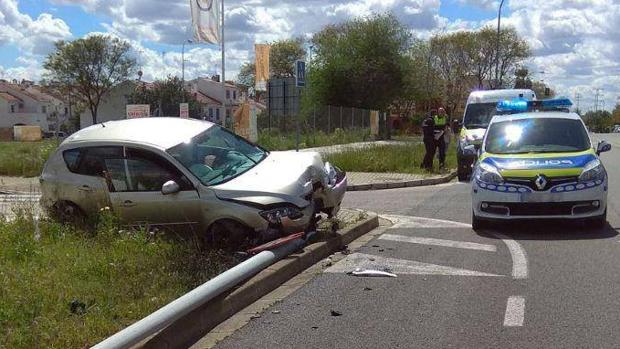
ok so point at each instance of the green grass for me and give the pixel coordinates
(24, 159)
(275, 140)
(111, 277)
(401, 158)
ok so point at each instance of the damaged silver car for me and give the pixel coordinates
(189, 174)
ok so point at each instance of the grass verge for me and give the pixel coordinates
(275, 140)
(24, 159)
(400, 158)
(61, 287)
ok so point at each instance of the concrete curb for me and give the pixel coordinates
(190, 328)
(402, 184)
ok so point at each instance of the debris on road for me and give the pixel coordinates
(371, 273)
(367, 289)
(275, 312)
(335, 313)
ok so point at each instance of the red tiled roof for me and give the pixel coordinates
(204, 99)
(9, 97)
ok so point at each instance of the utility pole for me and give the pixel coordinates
(223, 69)
(596, 99)
(577, 98)
(499, 18)
(183, 66)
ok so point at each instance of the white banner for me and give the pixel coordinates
(184, 110)
(206, 21)
(138, 111)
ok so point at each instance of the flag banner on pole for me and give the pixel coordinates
(262, 66)
(206, 21)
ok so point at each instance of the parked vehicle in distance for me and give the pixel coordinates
(479, 110)
(539, 163)
(189, 174)
(616, 129)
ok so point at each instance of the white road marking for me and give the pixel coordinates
(422, 222)
(398, 266)
(439, 242)
(515, 311)
(519, 258)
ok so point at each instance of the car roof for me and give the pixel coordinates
(492, 96)
(161, 132)
(536, 115)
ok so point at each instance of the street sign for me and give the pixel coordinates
(300, 73)
(184, 110)
(135, 111)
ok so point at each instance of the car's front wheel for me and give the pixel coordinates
(478, 223)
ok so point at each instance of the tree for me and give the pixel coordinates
(598, 121)
(522, 78)
(615, 115)
(359, 63)
(481, 47)
(512, 51)
(247, 75)
(90, 66)
(164, 97)
(282, 57)
(542, 90)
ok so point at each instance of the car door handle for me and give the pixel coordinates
(85, 188)
(129, 203)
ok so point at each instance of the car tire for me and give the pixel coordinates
(462, 176)
(478, 223)
(229, 235)
(598, 222)
(68, 212)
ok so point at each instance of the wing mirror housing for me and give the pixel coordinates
(170, 187)
(602, 147)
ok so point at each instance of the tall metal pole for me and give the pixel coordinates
(499, 18)
(183, 63)
(223, 68)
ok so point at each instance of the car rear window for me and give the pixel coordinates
(90, 161)
(72, 159)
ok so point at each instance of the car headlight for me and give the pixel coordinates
(488, 174)
(593, 171)
(275, 215)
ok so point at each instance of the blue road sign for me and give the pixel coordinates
(300, 73)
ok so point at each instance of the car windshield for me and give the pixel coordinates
(540, 135)
(217, 155)
(478, 115)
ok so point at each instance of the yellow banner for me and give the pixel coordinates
(262, 66)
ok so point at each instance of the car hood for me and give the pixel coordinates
(281, 177)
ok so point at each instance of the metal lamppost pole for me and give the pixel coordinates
(499, 18)
(223, 69)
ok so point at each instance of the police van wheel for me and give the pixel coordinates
(478, 223)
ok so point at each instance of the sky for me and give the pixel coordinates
(575, 43)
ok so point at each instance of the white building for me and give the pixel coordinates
(215, 94)
(22, 104)
(113, 105)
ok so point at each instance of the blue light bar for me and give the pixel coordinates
(520, 105)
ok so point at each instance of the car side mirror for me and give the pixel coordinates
(602, 147)
(170, 187)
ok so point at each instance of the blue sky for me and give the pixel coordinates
(576, 42)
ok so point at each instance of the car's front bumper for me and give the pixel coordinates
(509, 203)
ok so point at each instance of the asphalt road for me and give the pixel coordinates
(544, 285)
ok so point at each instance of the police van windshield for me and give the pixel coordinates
(478, 115)
(543, 135)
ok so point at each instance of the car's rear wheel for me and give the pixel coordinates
(67, 212)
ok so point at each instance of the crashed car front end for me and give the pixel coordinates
(286, 192)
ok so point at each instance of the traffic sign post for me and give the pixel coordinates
(300, 73)
(184, 110)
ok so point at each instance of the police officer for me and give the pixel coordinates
(441, 128)
(428, 132)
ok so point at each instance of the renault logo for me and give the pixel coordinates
(541, 182)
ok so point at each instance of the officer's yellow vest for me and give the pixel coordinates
(440, 120)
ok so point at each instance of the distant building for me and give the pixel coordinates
(113, 104)
(215, 94)
(28, 104)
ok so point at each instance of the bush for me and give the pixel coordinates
(25, 159)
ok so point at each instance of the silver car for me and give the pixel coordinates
(189, 174)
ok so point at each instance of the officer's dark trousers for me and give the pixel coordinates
(441, 144)
(429, 145)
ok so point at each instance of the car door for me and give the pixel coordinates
(136, 182)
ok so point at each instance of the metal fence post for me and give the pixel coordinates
(284, 112)
(341, 118)
(269, 105)
(314, 119)
(352, 115)
(329, 119)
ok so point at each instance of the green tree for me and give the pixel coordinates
(512, 51)
(542, 90)
(359, 63)
(164, 97)
(247, 75)
(598, 121)
(90, 66)
(282, 57)
(615, 115)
